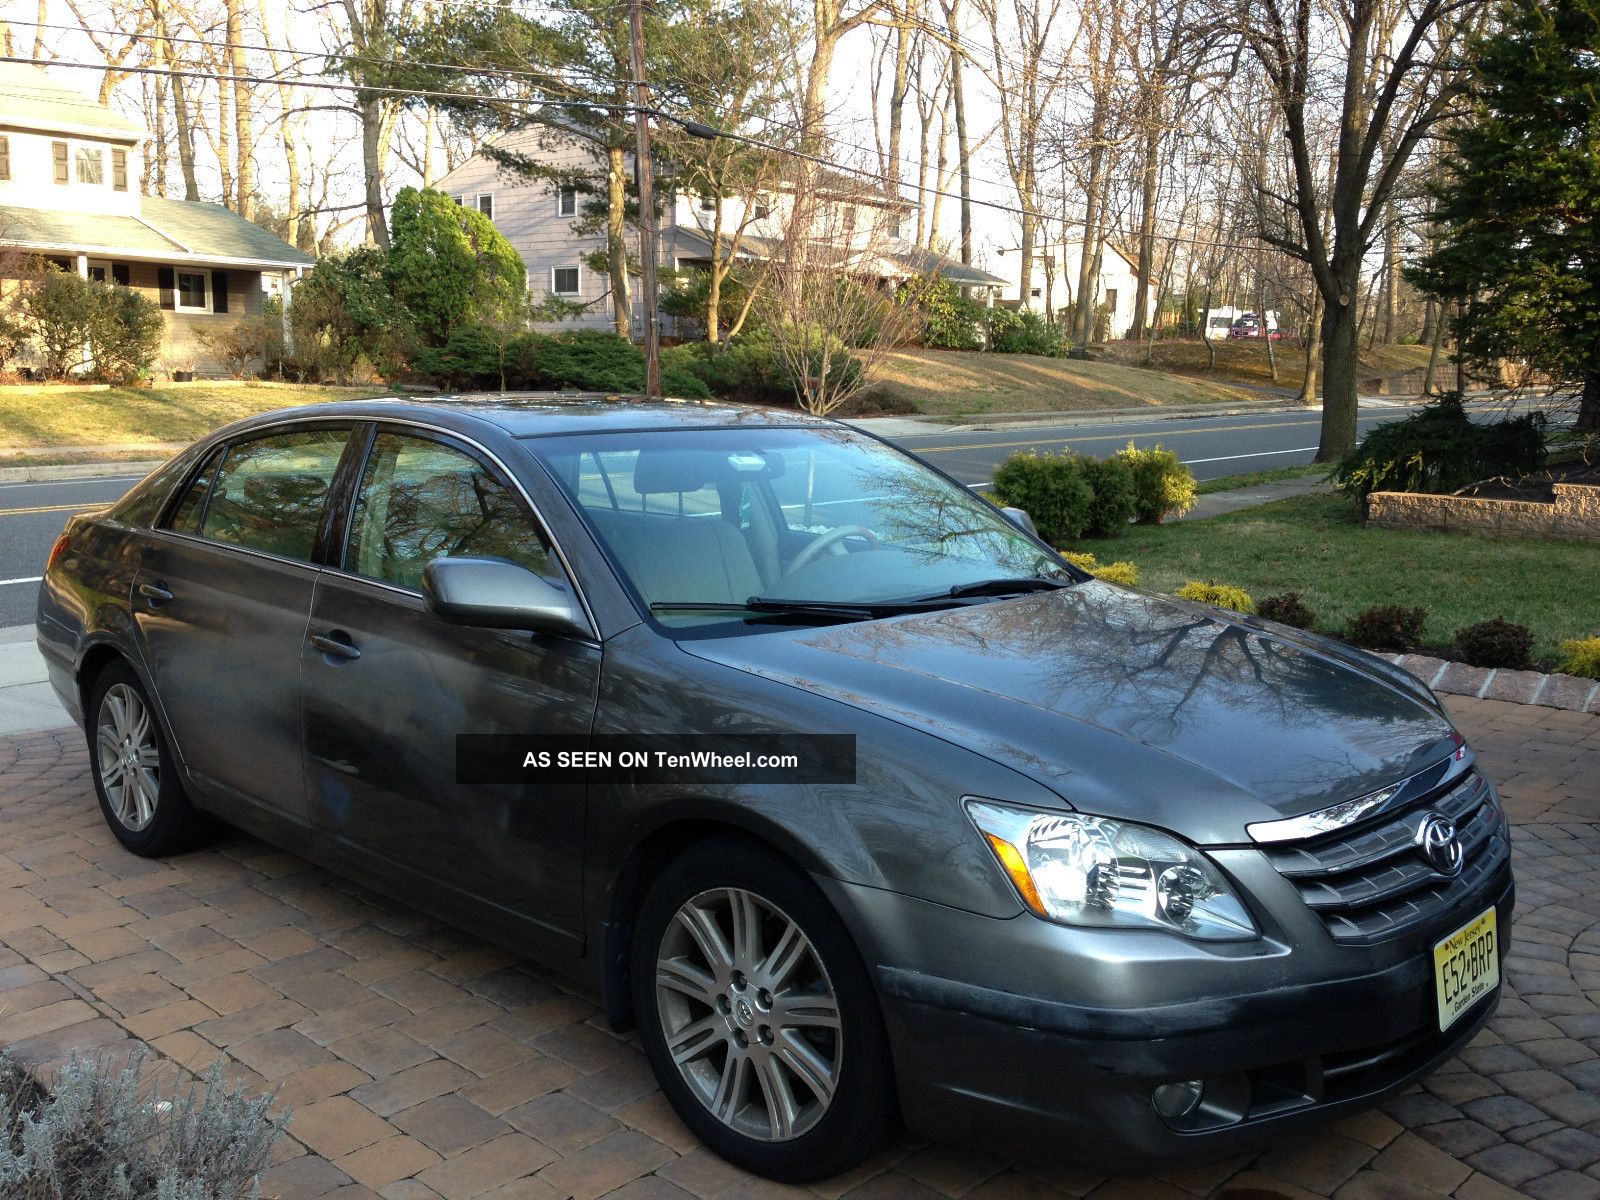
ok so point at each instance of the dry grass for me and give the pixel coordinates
(45, 417)
(1245, 362)
(957, 383)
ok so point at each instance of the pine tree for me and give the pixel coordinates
(1517, 216)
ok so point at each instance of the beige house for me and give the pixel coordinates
(69, 194)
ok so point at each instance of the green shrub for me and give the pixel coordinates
(1441, 449)
(1581, 656)
(1289, 608)
(951, 320)
(343, 315)
(1163, 486)
(1388, 627)
(124, 333)
(1024, 332)
(1219, 595)
(1052, 488)
(1115, 496)
(749, 369)
(1125, 573)
(79, 323)
(1496, 642)
(449, 266)
(105, 1134)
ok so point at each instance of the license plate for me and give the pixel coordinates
(1466, 967)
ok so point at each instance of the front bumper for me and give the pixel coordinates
(1031, 1075)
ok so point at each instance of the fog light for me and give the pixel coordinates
(1175, 1100)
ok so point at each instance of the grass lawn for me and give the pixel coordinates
(965, 383)
(1246, 362)
(48, 416)
(1315, 546)
(1228, 483)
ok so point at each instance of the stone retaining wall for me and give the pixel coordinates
(1575, 513)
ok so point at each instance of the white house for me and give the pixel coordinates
(540, 218)
(69, 195)
(1053, 287)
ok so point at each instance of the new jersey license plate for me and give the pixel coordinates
(1466, 967)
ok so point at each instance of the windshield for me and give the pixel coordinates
(717, 518)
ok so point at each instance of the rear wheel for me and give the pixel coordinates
(134, 775)
(758, 1017)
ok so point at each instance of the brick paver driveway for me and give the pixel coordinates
(422, 1062)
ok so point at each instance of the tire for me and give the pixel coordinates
(789, 1012)
(135, 775)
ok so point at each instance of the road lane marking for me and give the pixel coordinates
(24, 579)
(1255, 454)
(49, 508)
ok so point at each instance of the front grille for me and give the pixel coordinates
(1370, 882)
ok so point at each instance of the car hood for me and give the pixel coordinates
(1126, 704)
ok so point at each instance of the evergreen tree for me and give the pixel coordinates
(1517, 221)
(449, 266)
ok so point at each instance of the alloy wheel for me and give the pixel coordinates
(129, 756)
(749, 1014)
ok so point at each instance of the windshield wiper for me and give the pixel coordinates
(1003, 587)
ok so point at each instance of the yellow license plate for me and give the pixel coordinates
(1466, 967)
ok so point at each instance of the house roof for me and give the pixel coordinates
(166, 230)
(31, 99)
(895, 257)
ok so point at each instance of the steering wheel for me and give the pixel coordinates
(833, 537)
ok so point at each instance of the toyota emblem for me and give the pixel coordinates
(1436, 838)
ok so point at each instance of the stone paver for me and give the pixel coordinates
(423, 1064)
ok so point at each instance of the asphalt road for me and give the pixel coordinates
(32, 514)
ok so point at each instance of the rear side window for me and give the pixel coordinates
(270, 492)
(420, 500)
(191, 507)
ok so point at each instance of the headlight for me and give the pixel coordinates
(1083, 870)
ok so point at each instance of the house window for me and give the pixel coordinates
(91, 165)
(484, 203)
(894, 227)
(564, 281)
(1036, 293)
(58, 155)
(1111, 298)
(567, 202)
(119, 169)
(193, 292)
(708, 203)
(763, 210)
(5, 157)
(99, 270)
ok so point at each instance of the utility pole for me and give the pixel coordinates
(648, 236)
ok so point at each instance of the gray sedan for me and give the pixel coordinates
(848, 791)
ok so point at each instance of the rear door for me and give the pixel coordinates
(388, 686)
(221, 598)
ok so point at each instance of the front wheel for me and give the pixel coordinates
(758, 1017)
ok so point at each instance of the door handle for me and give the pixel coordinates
(335, 643)
(156, 593)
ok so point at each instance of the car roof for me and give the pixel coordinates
(540, 414)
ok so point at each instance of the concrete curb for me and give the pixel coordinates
(1569, 692)
(46, 472)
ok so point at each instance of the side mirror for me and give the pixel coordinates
(496, 594)
(1021, 520)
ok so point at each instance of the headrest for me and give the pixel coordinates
(674, 470)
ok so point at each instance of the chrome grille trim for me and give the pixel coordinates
(1353, 812)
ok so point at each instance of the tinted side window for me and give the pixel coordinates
(271, 491)
(186, 516)
(420, 501)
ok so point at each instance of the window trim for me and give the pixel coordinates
(577, 270)
(563, 195)
(103, 263)
(80, 152)
(178, 306)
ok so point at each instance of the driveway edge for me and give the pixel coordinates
(1570, 692)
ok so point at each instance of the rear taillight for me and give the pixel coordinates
(57, 551)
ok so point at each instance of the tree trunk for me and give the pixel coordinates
(898, 92)
(718, 270)
(371, 114)
(617, 241)
(244, 125)
(1308, 381)
(1339, 409)
(1147, 233)
(963, 143)
(1589, 406)
(1433, 350)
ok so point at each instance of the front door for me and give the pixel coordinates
(221, 600)
(388, 686)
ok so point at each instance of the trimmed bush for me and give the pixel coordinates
(1024, 333)
(1163, 486)
(1115, 496)
(1218, 595)
(1441, 449)
(951, 320)
(1581, 656)
(102, 1134)
(1053, 489)
(1496, 642)
(1388, 627)
(1289, 608)
(1125, 573)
